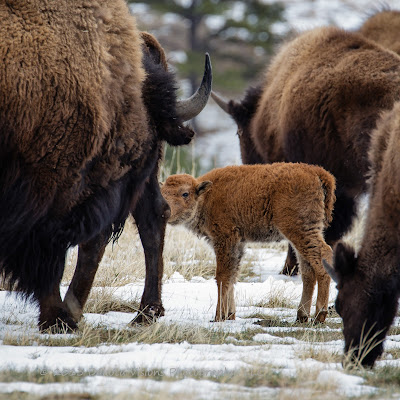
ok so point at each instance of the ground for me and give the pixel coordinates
(264, 353)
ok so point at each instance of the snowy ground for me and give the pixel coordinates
(205, 371)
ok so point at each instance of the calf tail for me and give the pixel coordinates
(328, 185)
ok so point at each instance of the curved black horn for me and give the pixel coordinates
(191, 107)
(331, 271)
(220, 101)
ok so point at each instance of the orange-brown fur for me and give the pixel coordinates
(232, 205)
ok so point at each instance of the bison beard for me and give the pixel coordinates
(80, 142)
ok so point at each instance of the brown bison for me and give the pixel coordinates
(319, 103)
(368, 283)
(383, 28)
(86, 104)
(232, 205)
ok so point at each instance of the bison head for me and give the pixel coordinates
(367, 306)
(242, 113)
(184, 194)
(166, 113)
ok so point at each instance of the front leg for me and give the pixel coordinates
(89, 257)
(228, 256)
(151, 214)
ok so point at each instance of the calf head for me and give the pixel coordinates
(367, 306)
(184, 194)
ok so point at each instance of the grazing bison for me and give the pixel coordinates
(319, 103)
(232, 205)
(368, 283)
(383, 28)
(86, 103)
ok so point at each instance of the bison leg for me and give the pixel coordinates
(89, 257)
(53, 314)
(151, 214)
(228, 259)
(312, 249)
(309, 280)
(291, 267)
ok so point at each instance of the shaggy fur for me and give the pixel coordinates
(319, 103)
(383, 28)
(230, 206)
(368, 283)
(84, 107)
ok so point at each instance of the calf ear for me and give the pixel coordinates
(203, 187)
(344, 259)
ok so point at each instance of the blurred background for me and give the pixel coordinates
(241, 37)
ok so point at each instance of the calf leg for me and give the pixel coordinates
(89, 257)
(309, 280)
(151, 214)
(312, 249)
(228, 259)
(343, 214)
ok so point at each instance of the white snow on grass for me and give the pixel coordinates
(170, 367)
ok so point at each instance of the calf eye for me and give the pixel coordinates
(186, 194)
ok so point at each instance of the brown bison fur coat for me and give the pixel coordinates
(383, 28)
(232, 205)
(319, 103)
(368, 283)
(85, 105)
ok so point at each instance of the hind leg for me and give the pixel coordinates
(89, 257)
(309, 280)
(53, 313)
(311, 251)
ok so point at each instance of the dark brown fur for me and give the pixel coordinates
(232, 205)
(85, 105)
(368, 283)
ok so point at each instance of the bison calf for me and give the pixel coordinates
(232, 205)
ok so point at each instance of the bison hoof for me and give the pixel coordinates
(321, 316)
(62, 323)
(148, 315)
(302, 318)
(224, 317)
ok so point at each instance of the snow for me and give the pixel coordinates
(138, 367)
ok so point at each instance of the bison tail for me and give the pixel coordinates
(328, 186)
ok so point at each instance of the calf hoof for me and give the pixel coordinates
(62, 322)
(148, 315)
(302, 318)
(321, 316)
(223, 317)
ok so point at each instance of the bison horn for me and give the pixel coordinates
(191, 107)
(220, 101)
(331, 271)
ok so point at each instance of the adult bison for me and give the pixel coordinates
(86, 103)
(318, 104)
(368, 284)
(383, 27)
